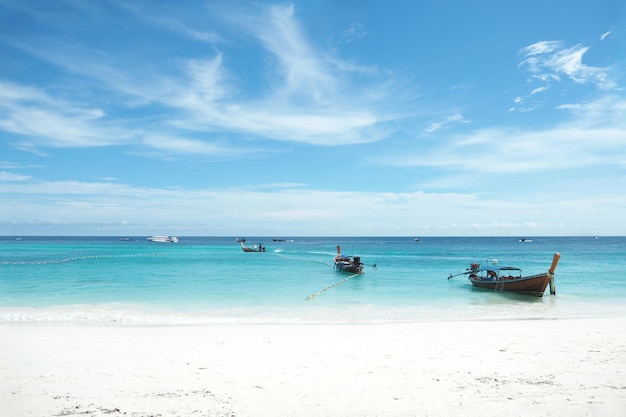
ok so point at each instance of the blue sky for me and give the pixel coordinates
(397, 118)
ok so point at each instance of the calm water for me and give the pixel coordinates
(211, 280)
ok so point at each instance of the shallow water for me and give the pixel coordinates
(211, 280)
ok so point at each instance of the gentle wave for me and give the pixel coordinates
(147, 315)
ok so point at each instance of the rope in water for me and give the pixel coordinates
(77, 258)
(288, 258)
(331, 286)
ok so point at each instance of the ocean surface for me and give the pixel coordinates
(202, 280)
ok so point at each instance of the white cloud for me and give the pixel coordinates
(11, 177)
(16, 165)
(607, 111)
(87, 208)
(59, 123)
(208, 84)
(176, 145)
(447, 121)
(594, 137)
(311, 96)
(538, 90)
(355, 32)
(541, 48)
(203, 36)
(552, 60)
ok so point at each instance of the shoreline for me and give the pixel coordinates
(492, 367)
(220, 322)
(138, 315)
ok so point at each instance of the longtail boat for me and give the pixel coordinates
(348, 263)
(253, 248)
(510, 278)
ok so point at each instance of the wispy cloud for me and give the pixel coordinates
(16, 165)
(552, 60)
(606, 111)
(594, 137)
(355, 32)
(172, 145)
(446, 121)
(12, 177)
(60, 123)
(310, 97)
(539, 90)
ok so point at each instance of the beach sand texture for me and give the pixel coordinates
(499, 368)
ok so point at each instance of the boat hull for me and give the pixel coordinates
(531, 285)
(255, 248)
(350, 268)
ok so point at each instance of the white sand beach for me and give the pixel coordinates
(498, 368)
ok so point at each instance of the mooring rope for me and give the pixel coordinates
(330, 286)
(302, 260)
(77, 258)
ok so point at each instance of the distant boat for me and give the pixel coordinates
(348, 263)
(125, 239)
(253, 248)
(163, 239)
(510, 278)
(524, 240)
(278, 240)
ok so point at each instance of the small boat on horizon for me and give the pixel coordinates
(163, 239)
(509, 278)
(524, 240)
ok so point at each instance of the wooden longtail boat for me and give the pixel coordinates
(348, 263)
(253, 248)
(510, 279)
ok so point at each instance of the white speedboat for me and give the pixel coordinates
(163, 239)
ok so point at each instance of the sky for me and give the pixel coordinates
(313, 118)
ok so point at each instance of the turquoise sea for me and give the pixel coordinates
(211, 280)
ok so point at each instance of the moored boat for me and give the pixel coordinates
(348, 263)
(163, 239)
(510, 278)
(253, 248)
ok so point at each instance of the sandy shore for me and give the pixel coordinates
(475, 368)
